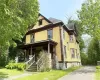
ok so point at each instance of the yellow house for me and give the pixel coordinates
(58, 39)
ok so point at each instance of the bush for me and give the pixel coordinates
(97, 67)
(21, 66)
(18, 66)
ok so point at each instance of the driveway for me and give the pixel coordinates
(84, 73)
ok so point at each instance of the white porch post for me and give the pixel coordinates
(48, 47)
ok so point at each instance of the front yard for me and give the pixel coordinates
(52, 75)
(5, 73)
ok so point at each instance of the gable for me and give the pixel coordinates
(41, 19)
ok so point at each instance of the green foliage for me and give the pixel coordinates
(45, 60)
(18, 66)
(3, 60)
(15, 18)
(97, 67)
(90, 17)
(94, 51)
(84, 58)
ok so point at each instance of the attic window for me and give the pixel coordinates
(40, 22)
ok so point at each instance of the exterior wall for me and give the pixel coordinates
(56, 38)
(42, 35)
(70, 45)
(73, 64)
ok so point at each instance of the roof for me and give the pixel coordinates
(45, 18)
(37, 43)
(54, 20)
(71, 26)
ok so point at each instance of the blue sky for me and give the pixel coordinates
(60, 9)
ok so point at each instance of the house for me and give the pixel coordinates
(58, 39)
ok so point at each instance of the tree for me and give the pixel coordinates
(90, 17)
(93, 51)
(15, 17)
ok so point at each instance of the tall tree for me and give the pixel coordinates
(90, 17)
(15, 17)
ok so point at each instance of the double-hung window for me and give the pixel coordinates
(31, 38)
(50, 34)
(72, 53)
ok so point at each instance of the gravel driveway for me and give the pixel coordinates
(85, 73)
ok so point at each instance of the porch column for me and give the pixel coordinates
(25, 55)
(31, 50)
(30, 56)
(48, 47)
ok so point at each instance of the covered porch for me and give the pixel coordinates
(35, 48)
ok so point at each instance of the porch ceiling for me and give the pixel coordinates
(38, 43)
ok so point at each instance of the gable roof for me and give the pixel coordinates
(45, 18)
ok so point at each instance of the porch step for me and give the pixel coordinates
(32, 68)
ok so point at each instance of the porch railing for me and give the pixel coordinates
(30, 62)
(40, 63)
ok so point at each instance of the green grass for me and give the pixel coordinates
(52, 75)
(97, 74)
(4, 73)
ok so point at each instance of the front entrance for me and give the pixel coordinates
(35, 49)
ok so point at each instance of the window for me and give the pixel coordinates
(50, 34)
(71, 38)
(63, 33)
(32, 38)
(72, 52)
(40, 22)
(65, 51)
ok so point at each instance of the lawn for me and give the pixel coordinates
(52, 75)
(97, 74)
(4, 73)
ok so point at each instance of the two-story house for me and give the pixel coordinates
(58, 39)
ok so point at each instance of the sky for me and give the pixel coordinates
(60, 9)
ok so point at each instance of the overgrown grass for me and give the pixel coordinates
(52, 75)
(4, 73)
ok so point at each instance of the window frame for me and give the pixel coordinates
(40, 22)
(71, 38)
(32, 38)
(65, 52)
(72, 51)
(48, 32)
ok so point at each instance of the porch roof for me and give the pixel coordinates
(38, 43)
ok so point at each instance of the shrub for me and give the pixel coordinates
(21, 66)
(97, 67)
(45, 60)
(18, 66)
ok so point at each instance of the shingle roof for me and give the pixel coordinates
(53, 20)
(71, 26)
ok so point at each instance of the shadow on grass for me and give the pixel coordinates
(3, 75)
